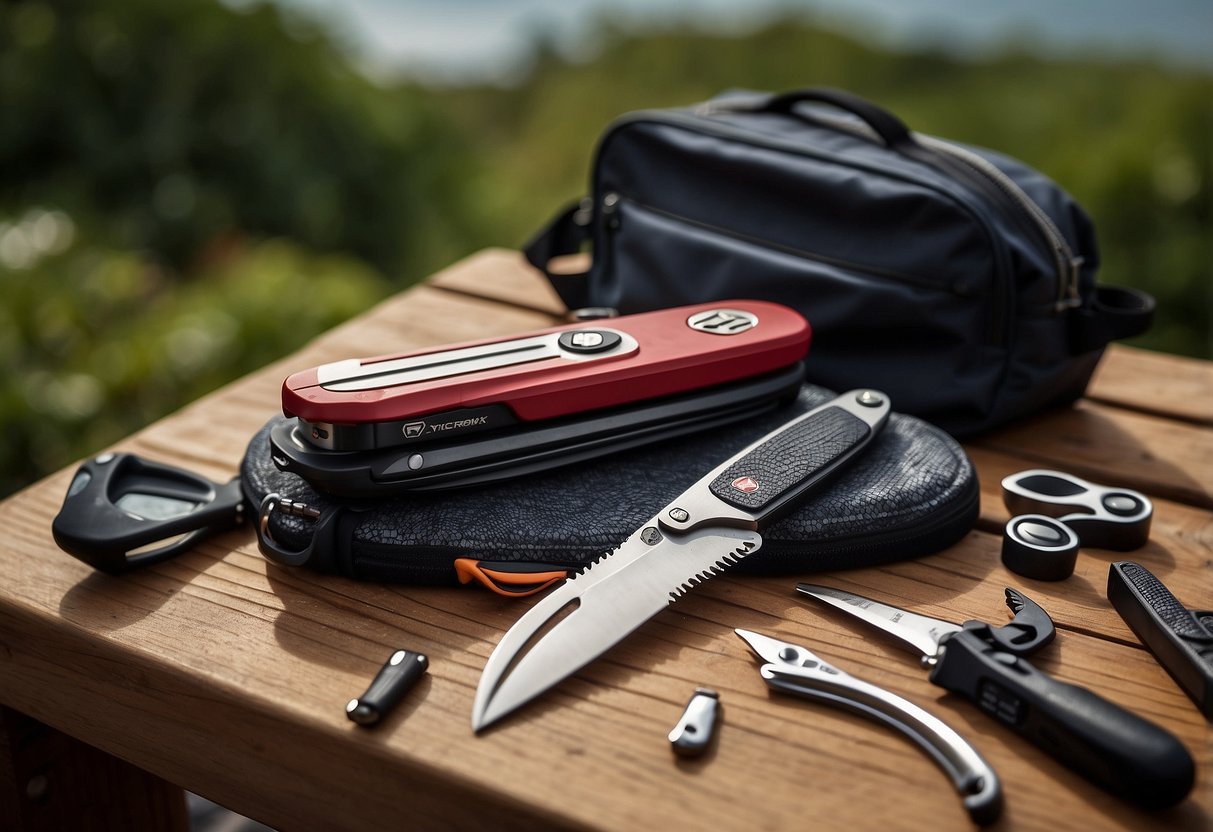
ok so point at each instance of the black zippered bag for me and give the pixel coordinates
(912, 492)
(956, 279)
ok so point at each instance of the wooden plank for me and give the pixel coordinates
(1163, 457)
(1166, 385)
(504, 275)
(347, 628)
(50, 782)
(608, 721)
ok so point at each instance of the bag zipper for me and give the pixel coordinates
(1002, 300)
(1065, 261)
(611, 202)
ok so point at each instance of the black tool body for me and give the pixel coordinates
(1181, 639)
(1109, 745)
(122, 511)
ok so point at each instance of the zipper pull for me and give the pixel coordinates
(610, 210)
(1072, 298)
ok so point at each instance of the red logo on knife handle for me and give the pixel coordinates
(746, 485)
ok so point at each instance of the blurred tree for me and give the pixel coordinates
(165, 125)
(146, 151)
(189, 190)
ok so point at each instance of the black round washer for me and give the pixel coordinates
(1039, 547)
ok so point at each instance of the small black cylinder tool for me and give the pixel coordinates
(1039, 547)
(393, 681)
(122, 511)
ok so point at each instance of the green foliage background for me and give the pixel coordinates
(189, 191)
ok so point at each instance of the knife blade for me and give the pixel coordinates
(709, 527)
(919, 631)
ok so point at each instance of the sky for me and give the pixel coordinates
(478, 41)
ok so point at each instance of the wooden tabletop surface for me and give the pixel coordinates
(228, 676)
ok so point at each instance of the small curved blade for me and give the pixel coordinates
(919, 631)
(607, 601)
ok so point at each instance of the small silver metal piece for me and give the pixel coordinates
(593, 313)
(355, 375)
(694, 731)
(870, 398)
(104, 458)
(37, 788)
(679, 515)
(416, 461)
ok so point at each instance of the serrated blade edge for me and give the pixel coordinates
(614, 597)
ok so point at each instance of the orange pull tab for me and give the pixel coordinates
(515, 580)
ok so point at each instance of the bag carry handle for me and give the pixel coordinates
(565, 234)
(1114, 313)
(570, 228)
(889, 127)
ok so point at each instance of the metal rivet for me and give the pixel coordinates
(416, 461)
(38, 787)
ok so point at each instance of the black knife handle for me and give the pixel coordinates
(1182, 645)
(784, 464)
(1110, 746)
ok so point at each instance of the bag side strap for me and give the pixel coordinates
(1115, 312)
(564, 234)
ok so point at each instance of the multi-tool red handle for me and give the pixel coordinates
(542, 375)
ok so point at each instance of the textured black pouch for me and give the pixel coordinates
(913, 492)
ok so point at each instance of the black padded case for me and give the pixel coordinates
(913, 492)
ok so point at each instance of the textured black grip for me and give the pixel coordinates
(1157, 599)
(1110, 746)
(792, 458)
(1178, 637)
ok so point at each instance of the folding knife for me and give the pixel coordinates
(713, 524)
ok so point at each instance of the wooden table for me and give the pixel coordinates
(228, 676)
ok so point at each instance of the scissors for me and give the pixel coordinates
(794, 669)
(1056, 512)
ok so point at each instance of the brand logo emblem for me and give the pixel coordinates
(746, 485)
(414, 429)
(723, 321)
